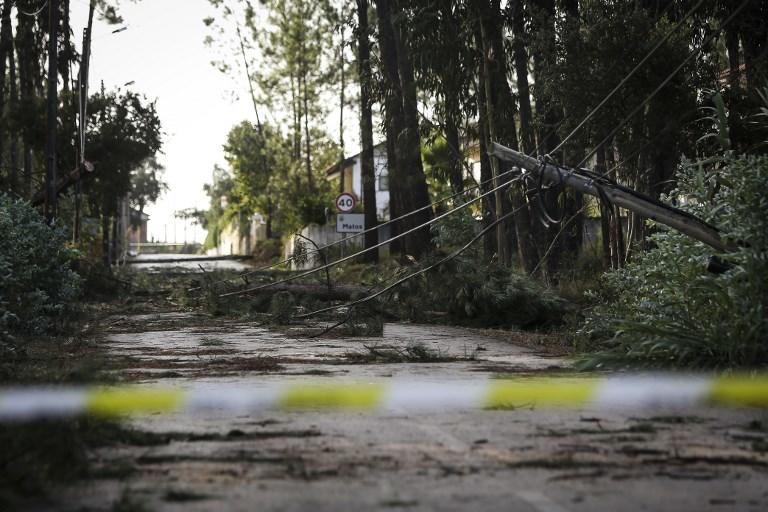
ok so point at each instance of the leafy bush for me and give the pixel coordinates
(281, 307)
(37, 285)
(475, 294)
(664, 309)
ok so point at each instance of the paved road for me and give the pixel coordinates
(521, 460)
(155, 263)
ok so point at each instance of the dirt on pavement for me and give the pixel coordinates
(524, 459)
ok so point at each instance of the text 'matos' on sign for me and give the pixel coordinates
(345, 202)
(350, 222)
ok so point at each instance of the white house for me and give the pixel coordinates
(348, 174)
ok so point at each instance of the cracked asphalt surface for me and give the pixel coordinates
(524, 459)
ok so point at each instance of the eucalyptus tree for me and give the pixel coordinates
(444, 62)
(500, 115)
(367, 171)
(286, 50)
(408, 187)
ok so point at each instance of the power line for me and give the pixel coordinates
(575, 130)
(448, 258)
(632, 114)
(456, 151)
(629, 75)
(361, 233)
(663, 84)
(363, 251)
(35, 13)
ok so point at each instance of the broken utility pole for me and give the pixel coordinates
(617, 194)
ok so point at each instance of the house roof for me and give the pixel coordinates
(347, 161)
(135, 215)
(339, 165)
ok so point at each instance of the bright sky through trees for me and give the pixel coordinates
(163, 54)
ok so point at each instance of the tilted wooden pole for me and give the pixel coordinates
(620, 196)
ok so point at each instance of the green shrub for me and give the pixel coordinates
(37, 285)
(472, 293)
(665, 310)
(281, 307)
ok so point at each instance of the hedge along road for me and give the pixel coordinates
(525, 459)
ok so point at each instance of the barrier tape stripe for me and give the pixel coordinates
(633, 392)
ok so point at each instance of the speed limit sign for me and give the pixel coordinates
(345, 202)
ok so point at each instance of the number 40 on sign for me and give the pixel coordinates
(345, 202)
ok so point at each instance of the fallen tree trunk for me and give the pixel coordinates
(321, 291)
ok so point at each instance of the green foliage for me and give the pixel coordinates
(266, 179)
(454, 231)
(482, 295)
(224, 206)
(281, 307)
(37, 285)
(664, 309)
(123, 138)
(437, 159)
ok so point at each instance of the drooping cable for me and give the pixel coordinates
(664, 83)
(444, 260)
(381, 244)
(361, 233)
(629, 75)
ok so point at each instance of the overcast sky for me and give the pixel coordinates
(163, 54)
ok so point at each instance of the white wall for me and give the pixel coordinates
(379, 168)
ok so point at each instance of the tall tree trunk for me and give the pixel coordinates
(270, 213)
(307, 139)
(410, 140)
(453, 140)
(395, 195)
(501, 109)
(6, 51)
(527, 137)
(52, 101)
(27, 59)
(342, 88)
(573, 202)
(366, 131)
(450, 76)
(502, 244)
(393, 123)
(408, 182)
(65, 58)
(618, 249)
(486, 174)
(13, 100)
(296, 115)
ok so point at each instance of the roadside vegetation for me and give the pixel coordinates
(38, 288)
(664, 309)
(435, 82)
